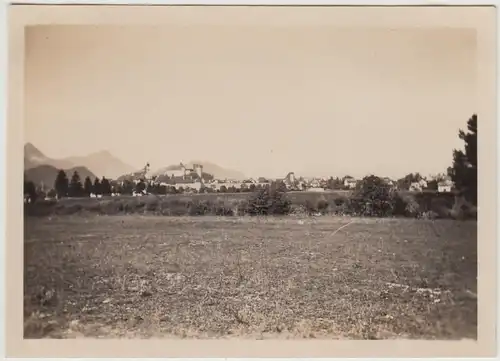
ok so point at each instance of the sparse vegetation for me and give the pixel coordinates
(263, 202)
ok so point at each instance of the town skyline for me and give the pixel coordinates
(152, 169)
(313, 100)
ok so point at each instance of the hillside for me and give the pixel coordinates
(130, 176)
(47, 174)
(210, 168)
(101, 163)
(33, 157)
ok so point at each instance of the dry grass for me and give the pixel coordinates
(132, 276)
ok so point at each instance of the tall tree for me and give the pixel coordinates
(87, 186)
(463, 172)
(61, 184)
(334, 183)
(140, 187)
(97, 186)
(51, 193)
(30, 191)
(75, 185)
(115, 187)
(127, 187)
(105, 187)
(407, 180)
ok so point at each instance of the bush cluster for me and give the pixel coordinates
(268, 201)
(372, 199)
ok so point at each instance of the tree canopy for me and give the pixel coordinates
(61, 184)
(463, 172)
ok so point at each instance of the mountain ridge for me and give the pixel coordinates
(101, 163)
(104, 164)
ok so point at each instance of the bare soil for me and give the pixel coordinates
(204, 277)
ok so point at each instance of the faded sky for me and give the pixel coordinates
(264, 101)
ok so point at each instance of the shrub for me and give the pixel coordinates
(342, 206)
(221, 209)
(68, 210)
(299, 210)
(310, 206)
(374, 198)
(107, 207)
(174, 207)
(152, 206)
(41, 208)
(439, 203)
(463, 209)
(239, 207)
(406, 205)
(268, 201)
(323, 206)
(140, 205)
(412, 208)
(339, 202)
(315, 205)
(198, 208)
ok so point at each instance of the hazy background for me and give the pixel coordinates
(263, 100)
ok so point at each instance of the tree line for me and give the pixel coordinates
(64, 187)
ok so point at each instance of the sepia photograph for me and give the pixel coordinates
(260, 180)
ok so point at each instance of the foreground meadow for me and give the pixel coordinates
(153, 276)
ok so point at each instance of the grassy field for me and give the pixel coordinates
(149, 276)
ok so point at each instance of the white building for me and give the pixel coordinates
(445, 186)
(350, 183)
(418, 186)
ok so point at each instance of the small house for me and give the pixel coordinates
(350, 182)
(445, 186)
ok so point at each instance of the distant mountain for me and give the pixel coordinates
(47, 174)
(103, 164)
(217, 171)
(131, 176)
(99, 163)
(33, 157)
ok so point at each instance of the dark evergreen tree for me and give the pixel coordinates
(61, 184)
(97, 186)
(75, 186)
(87, 186)
(463, 172)
(127, 187)
(140, 187)
(105, 187)
(30, 191)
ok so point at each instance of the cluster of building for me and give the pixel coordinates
(193, 179)
(443, 186)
